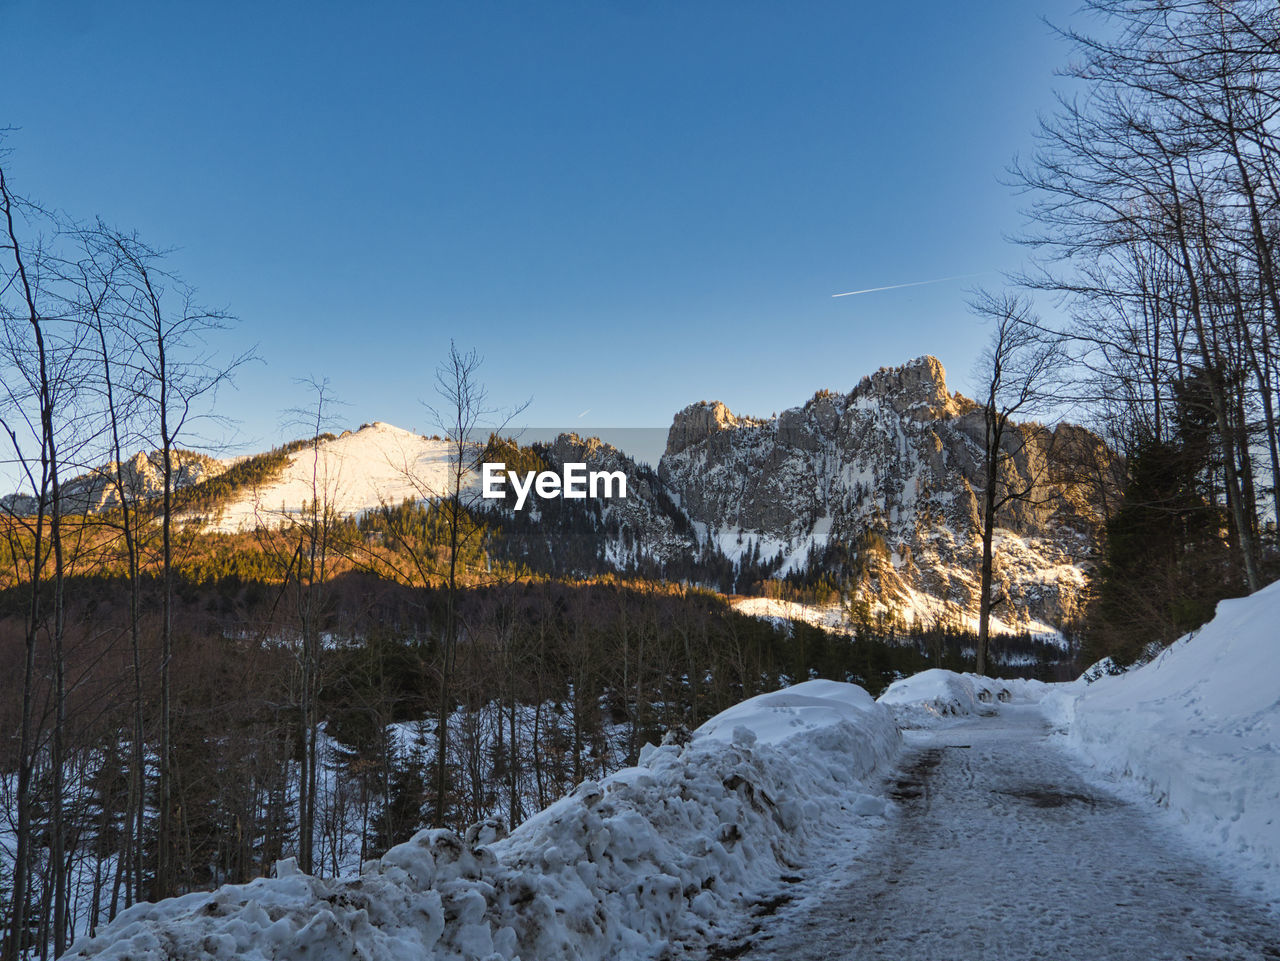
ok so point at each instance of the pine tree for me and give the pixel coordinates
(1166, 563)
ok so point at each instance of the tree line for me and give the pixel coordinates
(1153, 198)
(103, 351)
(553, 682)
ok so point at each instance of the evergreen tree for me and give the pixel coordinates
(1166, 563)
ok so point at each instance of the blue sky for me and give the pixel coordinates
(624, 206)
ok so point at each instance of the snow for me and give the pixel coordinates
(915, 608)
(925, 698)
(830, 617)
(1025, 819)
(1197, 730)
(999, 846)
(626, 867)
(379, 464)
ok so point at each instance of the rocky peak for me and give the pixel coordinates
(898, 459)
(144, 473)
(142, 476)
(917, 388)
(569, 447)
(697, 422)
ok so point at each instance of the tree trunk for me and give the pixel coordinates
(993, 433)
(165, 874)
(58, 827)
(27, 735)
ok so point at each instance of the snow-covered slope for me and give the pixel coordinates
(360, 470)
(829, 617)
(1198, 728)
(913, 607)
(627, 867)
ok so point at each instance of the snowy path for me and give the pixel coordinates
(1000, 849)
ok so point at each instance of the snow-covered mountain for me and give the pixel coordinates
(881, 486)
(877, 489)
(352, 473)
(646, 533)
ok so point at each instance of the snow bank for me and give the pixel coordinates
(1198, 729)
(619, 869)
(926, 698)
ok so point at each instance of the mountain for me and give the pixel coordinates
(874, 494)
(142, 475)
(879, 488)
(645, 534)
(351, 473)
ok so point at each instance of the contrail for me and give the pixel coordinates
(584, 413)
(918, 283)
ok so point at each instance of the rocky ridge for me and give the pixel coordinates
(878, 490)
(142, 475)
(881, 486)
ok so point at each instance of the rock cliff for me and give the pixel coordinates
(142, 476)
(881, 487)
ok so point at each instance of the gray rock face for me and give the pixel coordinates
(897, 462)
(698, 422)
(142, 477)
(917, 388)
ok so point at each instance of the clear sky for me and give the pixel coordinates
(624, 206)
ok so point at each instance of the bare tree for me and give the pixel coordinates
(465, 416)
(48, 417)
(177, 378)
(1156, 200)
(39, 471)
(38, 414)
(92, 278)
(302, 546)
(448, 527)
(1015, 371)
